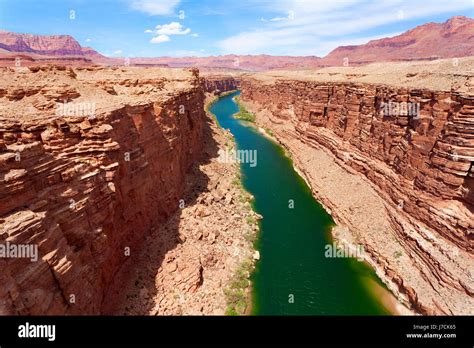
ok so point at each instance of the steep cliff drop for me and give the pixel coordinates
(388, 150)
(199, 261)
(217, 84)
(91, 161)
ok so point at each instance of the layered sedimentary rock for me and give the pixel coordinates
(90, 160)
(420, 164)
(188, 265)
(218, 84)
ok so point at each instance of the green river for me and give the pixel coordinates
(293, 276)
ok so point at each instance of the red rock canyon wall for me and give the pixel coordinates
(421, 165)
(430, 156)
(86, 191)
(218, 84)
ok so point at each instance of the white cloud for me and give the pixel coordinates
(194, 35)
(163, 32)
(313, 26)
(117, 52)
(155, 7)
(88, 40)
(160, 39)
(174, 28)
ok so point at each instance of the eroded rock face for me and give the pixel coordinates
(86, 189)
(218, 84)
(420, 164)
(187, 266)
(429, 155)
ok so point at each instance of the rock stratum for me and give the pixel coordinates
(217, 84)
(400, 184)
(90, 161)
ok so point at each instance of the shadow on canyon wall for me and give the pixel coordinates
(166, 235)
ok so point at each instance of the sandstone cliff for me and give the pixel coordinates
(90, 160)
(218, 84)
(420, 235)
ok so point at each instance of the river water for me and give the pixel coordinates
(293, 276)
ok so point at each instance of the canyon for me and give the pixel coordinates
(401, 185)
(113, 173)
(93, 161)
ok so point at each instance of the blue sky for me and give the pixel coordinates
(133, 28)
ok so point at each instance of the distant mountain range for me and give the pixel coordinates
(45, 48)
(454, 38)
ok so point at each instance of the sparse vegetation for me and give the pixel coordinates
(237, 292)
(269, 132)
(250, 236)
(237, 181)
(243, 114)
(251, 220)
(243, 199)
